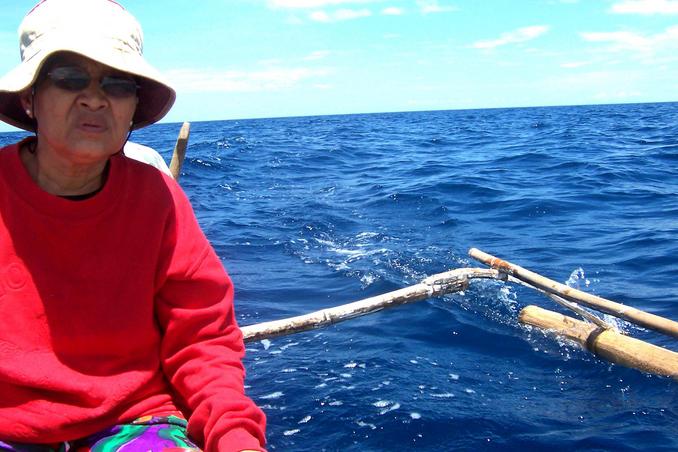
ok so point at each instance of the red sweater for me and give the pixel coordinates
(113, 308)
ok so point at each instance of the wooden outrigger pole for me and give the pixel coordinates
(180, 150)
(605, 343)
(596, 337)
(433, 286)
(642, 318)
(602, 341)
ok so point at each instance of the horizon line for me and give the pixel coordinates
(17, 130)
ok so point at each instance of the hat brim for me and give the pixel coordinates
(156, 96)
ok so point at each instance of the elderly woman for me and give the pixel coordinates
(117, 328)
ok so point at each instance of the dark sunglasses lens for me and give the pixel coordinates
(119, 86)
(69, 78)
(73, 78)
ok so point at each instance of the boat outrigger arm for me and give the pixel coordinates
(595, 335)
(180, 150)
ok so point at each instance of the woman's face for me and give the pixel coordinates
(85, 125)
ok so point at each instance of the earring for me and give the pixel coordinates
(28, 112)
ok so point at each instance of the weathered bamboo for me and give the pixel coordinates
(571, 305)
(574, 307)
(433, 286)
(642, 318)
(608, 344)
(180, 150)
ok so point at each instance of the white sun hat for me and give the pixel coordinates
(101, 30)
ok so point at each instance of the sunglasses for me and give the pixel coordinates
(75, 79)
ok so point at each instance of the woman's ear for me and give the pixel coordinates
(26, 99)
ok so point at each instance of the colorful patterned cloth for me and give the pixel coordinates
(146, 434)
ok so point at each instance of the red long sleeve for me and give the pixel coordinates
(107, 300)
(214, 392)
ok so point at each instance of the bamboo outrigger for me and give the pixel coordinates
(605, 343)
(595, 335)
(433, 286)
(180, 150)
(599, 338)
(628, 313)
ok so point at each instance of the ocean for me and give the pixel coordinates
(312, 212)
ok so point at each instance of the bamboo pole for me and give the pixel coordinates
(433, 286)
(180, 150)
(642, 318)
(608, 344)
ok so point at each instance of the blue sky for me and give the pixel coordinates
(231, 59)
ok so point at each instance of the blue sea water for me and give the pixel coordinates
(313, 212)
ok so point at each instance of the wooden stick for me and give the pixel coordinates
(642, 318)
(436, 285)
(180, 150)
(571, 305)
(608, 344)
(574, 307)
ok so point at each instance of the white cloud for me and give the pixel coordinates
(646, 7)
(339, 15)
(273, 79)
(312, 3)
(348, 14)
(512, 37)
(636, 42)
(620, 39)
(432, 7)
(320, 16)
(597, 83)
(616, 95)
(317, 55)
(392, 11)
